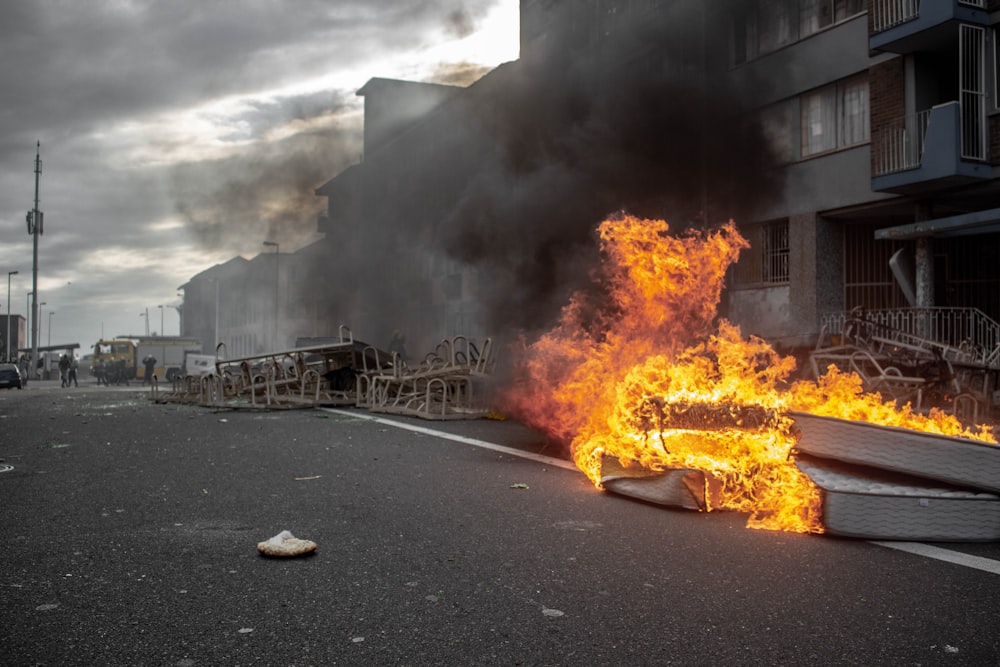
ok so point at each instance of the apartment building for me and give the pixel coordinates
(885, 113)
(884, 121)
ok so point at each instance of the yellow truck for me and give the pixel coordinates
(121, 359)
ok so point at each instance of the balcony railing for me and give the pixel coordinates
(936, 139)
(888, 14)
(956, 327)
(900, 144)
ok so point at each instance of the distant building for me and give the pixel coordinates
(18, 334)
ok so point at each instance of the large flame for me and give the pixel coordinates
(644, 374)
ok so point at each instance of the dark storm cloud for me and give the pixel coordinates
(107, 86)
(73, 64)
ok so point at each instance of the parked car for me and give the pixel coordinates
(10, 376)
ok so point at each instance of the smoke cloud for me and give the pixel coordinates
(578, 145)
(266, 189)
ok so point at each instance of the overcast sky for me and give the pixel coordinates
(178, 134)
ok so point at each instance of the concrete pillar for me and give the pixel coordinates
(924, 260)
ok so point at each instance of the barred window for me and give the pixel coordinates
(765, 262)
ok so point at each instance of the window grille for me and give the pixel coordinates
(868, 279)
(765, 262)
(972, 41)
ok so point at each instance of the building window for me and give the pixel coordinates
(835, 116)
(814, 15)
(765, 262)
(762, 26)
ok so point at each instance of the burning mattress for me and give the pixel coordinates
(964, 463)
(874, 504)
(680, 487)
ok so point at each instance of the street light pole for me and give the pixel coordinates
(161, 318)
(6, 355)
(51, 313)
(277, 249)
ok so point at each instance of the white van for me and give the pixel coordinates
(198, 364)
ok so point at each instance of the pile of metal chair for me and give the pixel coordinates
(910, 368)
(452, 382)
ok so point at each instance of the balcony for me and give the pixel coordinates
(937, 148)
(908, 26)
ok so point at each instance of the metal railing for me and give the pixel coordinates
(900, 143)
(890, 13)
(957, 327)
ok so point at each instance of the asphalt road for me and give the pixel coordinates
(129, 534)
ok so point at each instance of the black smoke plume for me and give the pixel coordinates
(582, 137)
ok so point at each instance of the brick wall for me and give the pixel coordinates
(886, 95)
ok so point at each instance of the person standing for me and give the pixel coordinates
(73, 367)
(64, 370)
(150, 363)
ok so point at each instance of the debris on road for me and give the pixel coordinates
(284, 544)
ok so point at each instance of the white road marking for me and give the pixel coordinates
(917, 548)
(947, 555)
(540, 458)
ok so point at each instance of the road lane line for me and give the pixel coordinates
(947, 555)
(917, 548)
(540, 458)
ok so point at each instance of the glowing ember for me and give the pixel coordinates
(619, 376)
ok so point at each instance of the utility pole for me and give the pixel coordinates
(35, 229)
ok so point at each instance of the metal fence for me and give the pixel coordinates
(951, 326)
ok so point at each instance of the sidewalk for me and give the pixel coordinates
(87, 382)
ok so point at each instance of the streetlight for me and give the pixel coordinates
(161, 318)
(146, 315)
(51, 313)
(6, 355)
(277, 249)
